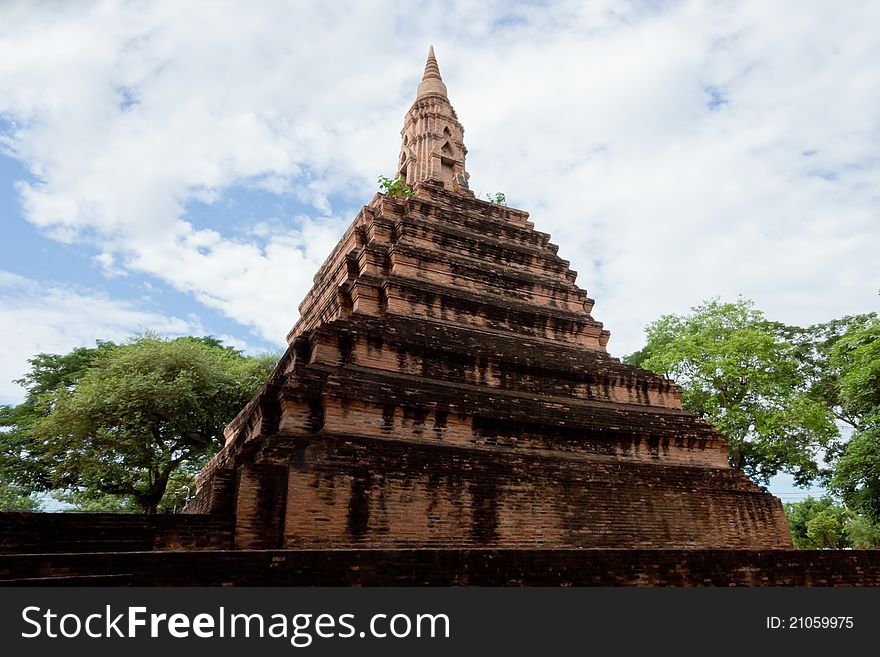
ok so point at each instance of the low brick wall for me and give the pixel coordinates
(348, 492)
(116, 532)
(449, 567)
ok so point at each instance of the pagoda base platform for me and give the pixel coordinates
(103, 549)
(446, 567)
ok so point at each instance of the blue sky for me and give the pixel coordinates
(186, 167)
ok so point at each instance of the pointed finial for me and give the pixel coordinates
(431, 68)
(431, 82)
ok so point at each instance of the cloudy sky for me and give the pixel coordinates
(186, 167)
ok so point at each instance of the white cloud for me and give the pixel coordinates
(38, 317)
(676, 151)
(660, 202)
(107, 264)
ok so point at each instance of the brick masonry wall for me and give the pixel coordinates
(344, 492)
(449, 567)
(452, 425)
(497, 372)
(94, 532)
(465, 261)
(448, 386)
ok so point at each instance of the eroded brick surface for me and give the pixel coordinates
(447, 386)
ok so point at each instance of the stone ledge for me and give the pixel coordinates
(448, 567)
(119, 532)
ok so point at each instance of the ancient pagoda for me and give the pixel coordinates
(446, 386)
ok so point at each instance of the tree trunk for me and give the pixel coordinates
(149, 501)
(735, 457)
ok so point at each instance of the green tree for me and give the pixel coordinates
(181, 486)
(815, 348)
(123, 420)
(855, 358)
(862, 534)
(826, 530)
(14, 498)
(857, 472)
(738, 371)
(49, 373)
(821, 523)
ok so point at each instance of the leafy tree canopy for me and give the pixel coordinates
(21, 475)
(738, 371)
(14, 498)
(118, 422)
(824, 523)
(827, 353)
(855, 360)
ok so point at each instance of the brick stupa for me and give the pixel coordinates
(446, 386)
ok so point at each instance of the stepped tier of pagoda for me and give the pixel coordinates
(447, 386)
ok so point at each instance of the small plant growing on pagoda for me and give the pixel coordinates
(395, 187)
(498, 198)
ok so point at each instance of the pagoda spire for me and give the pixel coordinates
(431, 82)
(433, 140)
